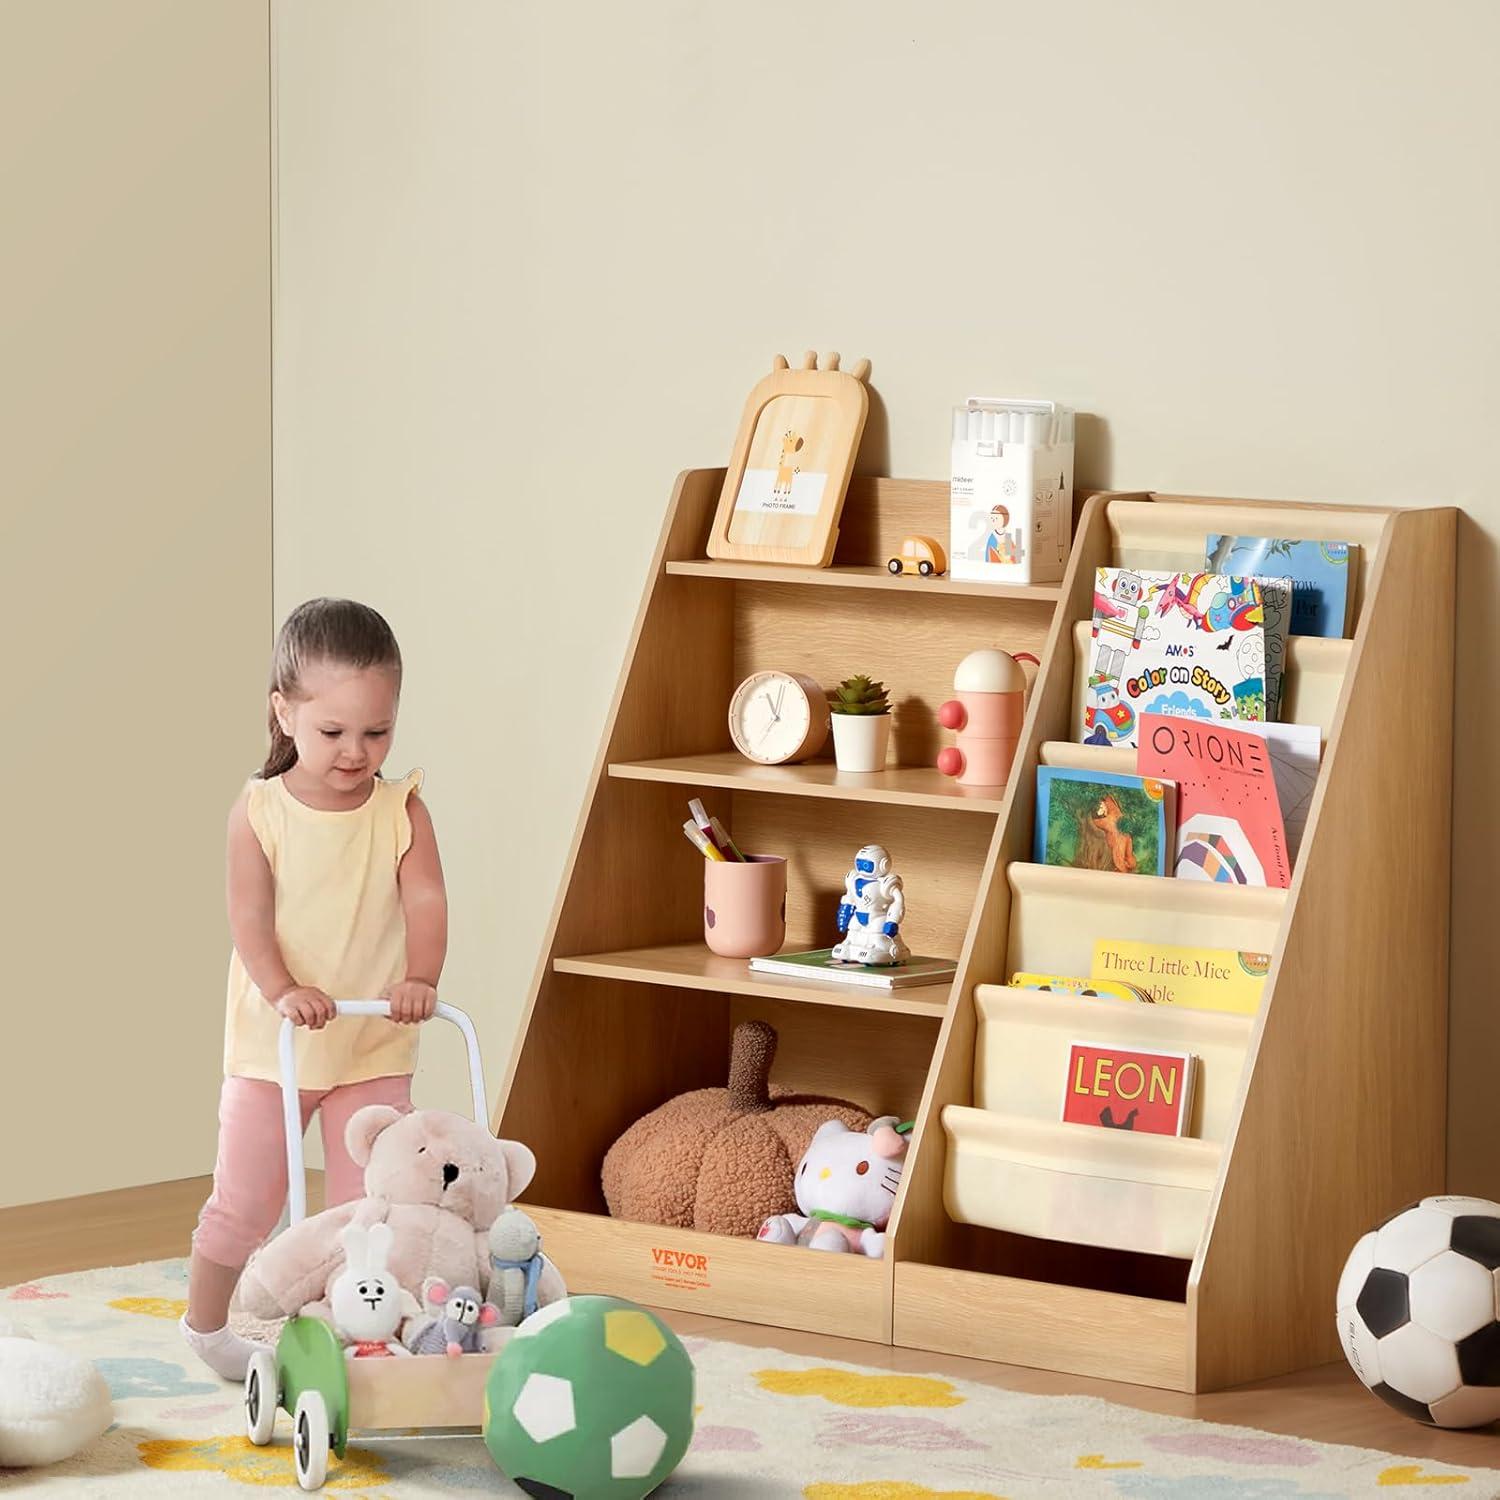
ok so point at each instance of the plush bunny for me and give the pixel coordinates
(459, 1318)
(369, 1304)
(845, 1185)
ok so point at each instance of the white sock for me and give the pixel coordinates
(223, 1351)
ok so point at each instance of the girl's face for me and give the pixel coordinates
(341, 724)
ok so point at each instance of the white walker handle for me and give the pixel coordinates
(291, 1104)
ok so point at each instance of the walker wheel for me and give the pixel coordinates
(310, 1440)
(261, 1397)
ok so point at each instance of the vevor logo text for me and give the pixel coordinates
(682, 1258)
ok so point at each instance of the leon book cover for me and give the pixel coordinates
(1101, 820)
(1229, 826)
(1121, 1088)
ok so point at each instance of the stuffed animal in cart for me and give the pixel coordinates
(438, 1180)
(515, 1266)
(846, 1185)
(456, 1320)
(369, 1304)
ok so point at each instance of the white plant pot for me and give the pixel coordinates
(860, 741)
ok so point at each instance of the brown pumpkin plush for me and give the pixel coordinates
(721, 1160)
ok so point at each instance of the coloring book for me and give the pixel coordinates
(1191, 644)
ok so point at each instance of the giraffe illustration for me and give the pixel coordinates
(791, 442)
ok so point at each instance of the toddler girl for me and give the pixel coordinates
(335, 890)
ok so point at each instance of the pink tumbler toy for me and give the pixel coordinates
(987, 713)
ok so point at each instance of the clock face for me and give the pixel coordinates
(774, 717)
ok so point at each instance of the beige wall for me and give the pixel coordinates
(533, 257)
(135, 567)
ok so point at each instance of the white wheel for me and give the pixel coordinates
(310, 1440)
(261, 1397)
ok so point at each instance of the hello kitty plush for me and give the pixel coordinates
(368, 1303)
(845, 1185)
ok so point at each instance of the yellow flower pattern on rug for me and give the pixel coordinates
(891, 1489)
(152, 1307)
(239, 1459)
(1098, 1461)
(1412, 1474)
(853, 1388)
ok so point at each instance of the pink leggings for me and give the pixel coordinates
(250, 1174)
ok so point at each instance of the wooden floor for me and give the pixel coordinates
(1326, 1404)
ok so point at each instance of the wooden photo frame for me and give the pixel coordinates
(793, 455)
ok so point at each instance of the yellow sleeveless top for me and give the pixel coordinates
(340, 927)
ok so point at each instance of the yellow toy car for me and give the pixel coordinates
(920, 554)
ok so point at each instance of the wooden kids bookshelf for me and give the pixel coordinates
(1208, 1260)
(628, 1007)
(1316, 1117)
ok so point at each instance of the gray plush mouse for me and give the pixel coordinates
(458, 1317)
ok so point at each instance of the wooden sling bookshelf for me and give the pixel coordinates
(1322, 1113)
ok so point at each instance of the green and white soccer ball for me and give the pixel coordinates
(592, 1399)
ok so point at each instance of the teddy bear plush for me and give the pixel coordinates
(437, 1179)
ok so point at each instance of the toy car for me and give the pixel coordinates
(919, 554)
(308, 1375)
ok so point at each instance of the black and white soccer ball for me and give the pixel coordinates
(1419, 1311)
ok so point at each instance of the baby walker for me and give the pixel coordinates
(308, 1376)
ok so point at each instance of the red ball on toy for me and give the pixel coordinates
(950, 760)
(952, 715)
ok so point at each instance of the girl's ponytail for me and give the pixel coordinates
(340, 631)
(282, 755)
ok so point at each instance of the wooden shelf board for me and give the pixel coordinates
(692, 966)
(865, 576)
(906, 786)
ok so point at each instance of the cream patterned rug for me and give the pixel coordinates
(769, 1425)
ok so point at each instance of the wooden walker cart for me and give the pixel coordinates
(308, 1375)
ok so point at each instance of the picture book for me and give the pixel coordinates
(1320, 574)
(1198, 978)
(1276, 600)
(819, 963)
(1109, 989)
(1173, 643)
(1295, 750)
(1100, 820)
(1229, 828)
(1120, 1088)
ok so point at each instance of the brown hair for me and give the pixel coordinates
(339, 631)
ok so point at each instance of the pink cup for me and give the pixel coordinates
(744, 905)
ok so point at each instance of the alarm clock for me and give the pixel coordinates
(778, 717)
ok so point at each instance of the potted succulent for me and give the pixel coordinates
(861, 724)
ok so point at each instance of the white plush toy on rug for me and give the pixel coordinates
(52, 1403)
